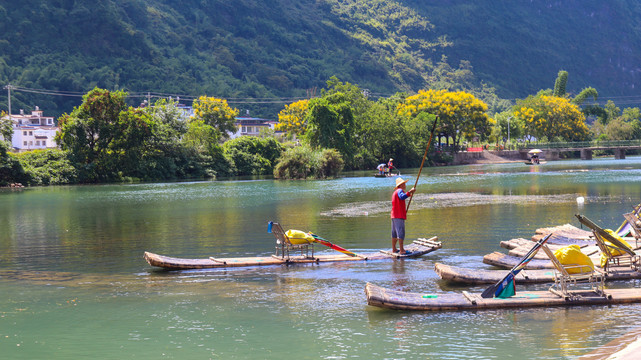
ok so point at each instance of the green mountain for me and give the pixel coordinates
(263, 54)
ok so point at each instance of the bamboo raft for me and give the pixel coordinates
(400, 300)
(482, 276)
(418, 248)
(505, 261)
(562, 235)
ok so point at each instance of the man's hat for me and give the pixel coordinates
(390, 159)
(400, 181)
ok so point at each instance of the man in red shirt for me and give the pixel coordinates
(399, 214)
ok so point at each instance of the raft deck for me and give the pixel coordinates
(420, 247)
(400, 300)
(483, 276)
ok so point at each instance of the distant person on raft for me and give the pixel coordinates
(399, 214)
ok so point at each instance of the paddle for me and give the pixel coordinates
(429, 142)
(509, 278)
(320, 240)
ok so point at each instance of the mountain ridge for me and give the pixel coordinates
(276, 49)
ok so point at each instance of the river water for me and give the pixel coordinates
(73, 283)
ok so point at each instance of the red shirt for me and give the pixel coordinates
(399, 211)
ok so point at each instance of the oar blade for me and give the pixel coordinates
(508, 280)
(489, 292)
(325, 242)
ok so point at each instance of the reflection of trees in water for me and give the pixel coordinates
(572, 330)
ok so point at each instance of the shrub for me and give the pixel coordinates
(295, 163)
(250, 155)
(301, 162)
(328, 163)
(11, 170)
(48, 167)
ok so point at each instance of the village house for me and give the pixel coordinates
(245, 126)
(251, 126)
(33, 131)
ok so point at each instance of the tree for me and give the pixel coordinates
(445, 77)
(627, 126)
(11, 170)
(584, 95)
(250, 155)
(216, 113)
(331, 124)
(504, 121)
(460, 113)
(166, 156)
(90, 129)
(301, 162)
(560, 84)
(292, 118)
(619, 129)
(203, 141)
(383, 135)
(6, 127)
(104, 136)
(552, 117)
(611, 110)
(47, 167)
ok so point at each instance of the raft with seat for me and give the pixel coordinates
(417, 248)
(469, 276)
(400, 300)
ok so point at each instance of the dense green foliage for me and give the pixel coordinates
(254, 49)
(11, 170)
(517, 46)
(302, 162)
(250, 155)
(107, 140)
(105, 137)
(47, 167)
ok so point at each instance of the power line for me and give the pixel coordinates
(150, 94)
(602, 100)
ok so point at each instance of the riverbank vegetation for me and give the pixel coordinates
(106, 140)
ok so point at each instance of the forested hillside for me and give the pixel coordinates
(252, 51)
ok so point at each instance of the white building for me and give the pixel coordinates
(33, 131)
(251, 126)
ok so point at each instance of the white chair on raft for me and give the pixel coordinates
(284, 245)
(614, 251)
(571, 274)
(635, 225)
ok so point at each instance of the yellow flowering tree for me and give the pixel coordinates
(292, 117)
(460, 113)
(216, 113)
(552, 117)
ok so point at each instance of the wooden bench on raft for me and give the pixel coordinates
(284, 246)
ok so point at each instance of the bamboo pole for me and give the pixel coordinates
(429, 142)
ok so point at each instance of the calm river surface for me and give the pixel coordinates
(73, 283)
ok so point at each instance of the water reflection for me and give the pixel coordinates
(72, 267)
